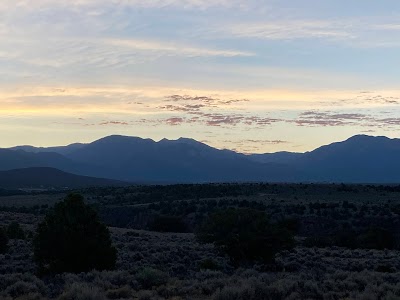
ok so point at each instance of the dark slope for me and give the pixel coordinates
(359, 159)
(18, 159)
(14, 159)
(60, 149)
(282, 157)
(183, 160)
(50, 178)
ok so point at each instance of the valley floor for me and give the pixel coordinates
(174, 266)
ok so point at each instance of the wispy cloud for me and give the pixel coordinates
(172, 49)
(343, 119)
(317, 118)
(201, 102)
(351, 32)
(291, 29)
(387, 27)
(174, 121)
(114, 123)
(184, 4)
(102, 53)
(367, 99)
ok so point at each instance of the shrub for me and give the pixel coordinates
(14, 231)
(31, 296)
(292, 224)
(245, 235)
(376, 238)
(80, 291)
(209, 264)
(235, 293)
(346, 238)
(318, 241)
(71, 239)
(145, 295)
(373, 238)
(168, 224)
(21, 288)
(3, 241)
(385, 269)
(120, 293)
(149, 277)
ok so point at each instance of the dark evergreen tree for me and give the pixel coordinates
(245, 235)
(14, 231)
(72, 239)
(3, 241)
(376, 238)
(168, 224)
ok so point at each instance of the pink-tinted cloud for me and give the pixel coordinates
(174, 121)
(114, 123)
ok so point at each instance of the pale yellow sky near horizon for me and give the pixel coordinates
(252, 76)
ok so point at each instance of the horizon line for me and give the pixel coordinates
(187, 138)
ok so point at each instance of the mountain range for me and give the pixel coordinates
(359, 159)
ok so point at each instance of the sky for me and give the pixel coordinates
(251, 76)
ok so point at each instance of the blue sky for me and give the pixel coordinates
(253, 76)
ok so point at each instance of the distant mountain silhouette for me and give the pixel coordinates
(282, 157)
(15, 159)
(182, 160)
(50, 178)
(61, 150)
(359, 159)
(18, 159)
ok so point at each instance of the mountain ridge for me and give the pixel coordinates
(360, 158)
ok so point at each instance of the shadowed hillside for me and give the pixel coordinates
(50, 178)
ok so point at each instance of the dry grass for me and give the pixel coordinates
(174, 260)
(172, 266)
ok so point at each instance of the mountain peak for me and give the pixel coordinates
(359, 137)
(114, 137)
(183, 140)
(119, 139)
(364, 137)
(188, 141)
